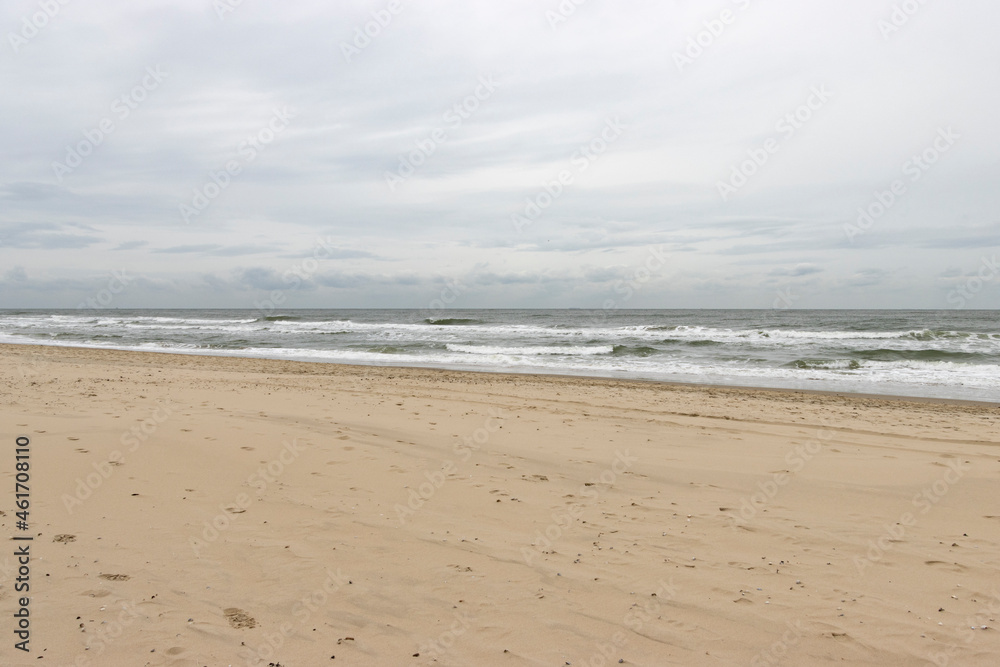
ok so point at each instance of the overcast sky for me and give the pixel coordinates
(507, 154)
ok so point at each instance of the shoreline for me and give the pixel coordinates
(534, 375)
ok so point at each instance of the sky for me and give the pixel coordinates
(516, 154)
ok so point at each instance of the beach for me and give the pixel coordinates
(196, 510)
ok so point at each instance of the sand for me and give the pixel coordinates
(192, 510)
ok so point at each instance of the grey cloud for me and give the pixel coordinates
(988, 240)
(329, 252)
(48, 235)
(185, 249)
(796, 271)
(868, 278)
(131, 245)
(238, 251)
(16, 274)
(260, 278)
(656, 184)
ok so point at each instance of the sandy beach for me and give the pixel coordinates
(192, 510)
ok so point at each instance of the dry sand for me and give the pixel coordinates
(366, 515)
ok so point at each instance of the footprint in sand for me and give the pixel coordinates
(96, 594)
(239, 618)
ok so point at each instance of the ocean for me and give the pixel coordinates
(940, 354)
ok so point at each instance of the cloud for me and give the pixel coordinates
(26, 191)
(45, 235)
(204, 134)
(131, 245)
(186, 249)
(16, 274)
(329, 252)
(796, 271)
(239, 251)
(868, 278)
(260, 278)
